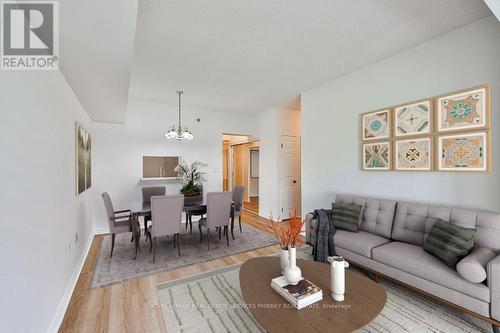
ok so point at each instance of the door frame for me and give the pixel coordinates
(298, 171)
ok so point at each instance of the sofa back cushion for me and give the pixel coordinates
(378, 214)
(413, 222)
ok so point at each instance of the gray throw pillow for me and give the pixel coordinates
(346, 217)
(449, 242)
(473, 266)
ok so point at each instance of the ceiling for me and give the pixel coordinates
(242, 56)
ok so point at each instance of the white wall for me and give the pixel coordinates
(463, 58)
(118, 149)
(270, 126)
(40, 211)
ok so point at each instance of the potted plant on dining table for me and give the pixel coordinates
(192, 178)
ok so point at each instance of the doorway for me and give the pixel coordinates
(240, 166)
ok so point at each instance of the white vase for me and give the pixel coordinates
(292, 273)
(284, 261)
(338, 266)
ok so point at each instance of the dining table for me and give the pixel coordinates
(140, 208)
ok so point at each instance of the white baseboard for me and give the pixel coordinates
(63, 305)
(101, 230)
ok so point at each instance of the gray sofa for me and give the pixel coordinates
(390, 241)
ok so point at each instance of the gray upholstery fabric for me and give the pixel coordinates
(493, 270)
(361, 242)
(310, 227)
(443, 292)
(117, 223)
(166, 213)
(414, 260)
(378, 215)
(218, 210)
(414, 221)
(238, 193)
(473, 266)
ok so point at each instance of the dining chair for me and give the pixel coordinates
(189, 214)
(166, 213)
(218, 214)
(238, 192)
(147, 193)
(118, 221)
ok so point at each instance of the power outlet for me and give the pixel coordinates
(69, 248)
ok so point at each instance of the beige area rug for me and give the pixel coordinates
(212, 302)
(122, 267)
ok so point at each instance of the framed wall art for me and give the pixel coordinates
(83, 148)
(464, 152)
(376, 125)
(463, 110)
(413, 119)
(377, 156)
(414, 155)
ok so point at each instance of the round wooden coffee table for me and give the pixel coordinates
(364, 299)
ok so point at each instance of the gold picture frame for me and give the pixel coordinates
(462, 144)
(376, 156)
(463, 110)
(83, 159)
(418, 120)
(418, 154)
(376, 125)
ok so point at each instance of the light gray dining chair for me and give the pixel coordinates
(147, 193)
(218, 214)
(238, 192)
(118, 221)
(166, 213)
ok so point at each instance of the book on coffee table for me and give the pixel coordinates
(300, 295)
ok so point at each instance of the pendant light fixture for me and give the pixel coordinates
(179, 132)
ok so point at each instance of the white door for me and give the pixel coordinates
(289, 173)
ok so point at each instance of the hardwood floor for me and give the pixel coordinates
(130, 306)
(252, 205)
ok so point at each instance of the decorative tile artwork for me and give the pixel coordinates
(464, 152)
(462, 111)
(377, 156)
(414, 154)
(413, 119)
(376, 125)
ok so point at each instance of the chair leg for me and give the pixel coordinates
(146, 227)
(208, 238)
(219, 233)
(174, 241)
(187, 219)
(150, 242)
(132, 239)
(239, 220)
(179, 244)
(227, 237)
(201, 235)
(112, 244)
(154, 249)
(496, 329)
(190, 225)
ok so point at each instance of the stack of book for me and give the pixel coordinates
(300, 295)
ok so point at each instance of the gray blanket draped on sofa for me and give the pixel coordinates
(325, 231)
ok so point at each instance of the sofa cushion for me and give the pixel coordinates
(359, 242)
(414, 260)
(449, 242)
(346, 217)
(473, 266)
(378, 214)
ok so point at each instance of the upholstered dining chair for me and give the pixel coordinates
(166, 213)
(147, 193)
(238, 192)
(218, 214)
(119, 221)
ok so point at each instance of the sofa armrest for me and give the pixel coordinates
(493, 271)
(310, 227)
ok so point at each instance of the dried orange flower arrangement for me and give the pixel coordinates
(287, 234)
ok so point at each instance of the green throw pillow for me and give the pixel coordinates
(346, 217)
(449, 242)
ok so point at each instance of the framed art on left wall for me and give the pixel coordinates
(83, 149)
